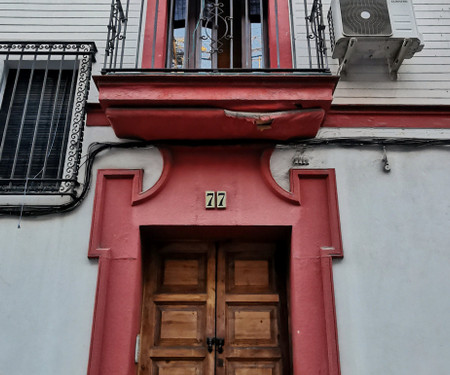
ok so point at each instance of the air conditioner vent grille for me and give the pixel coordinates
(365, 17)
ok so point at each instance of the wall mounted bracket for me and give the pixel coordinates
(348, 53)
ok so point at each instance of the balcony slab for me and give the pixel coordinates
(180, 106)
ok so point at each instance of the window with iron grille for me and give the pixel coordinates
(217, 34)
(34, 121)
(42, 116)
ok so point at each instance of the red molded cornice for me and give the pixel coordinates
(341, 116)
(96, 115)
(241, 92)
(373, 116)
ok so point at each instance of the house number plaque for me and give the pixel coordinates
(215, 199)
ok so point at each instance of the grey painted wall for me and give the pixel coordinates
(47, 283)
(391, 287)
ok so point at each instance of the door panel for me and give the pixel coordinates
(195, 290)
(179, 325)
(250, 368)
(248, 310)
(178, 309)
(177, 368)
(252, 325)
(180, 270)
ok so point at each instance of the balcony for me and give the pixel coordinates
(214, 70)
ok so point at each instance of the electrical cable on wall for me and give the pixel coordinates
(95, 148)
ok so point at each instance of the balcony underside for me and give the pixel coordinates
(195, 106)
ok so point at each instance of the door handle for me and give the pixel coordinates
(210, 342)
(219, 342)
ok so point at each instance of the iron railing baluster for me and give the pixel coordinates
(171, 53)
(308, 39)
(263, 35)
(124, 33)
(215, 36)
(115, 42)
(315, 19)
(277, 26)
(231, 35)
(293, 38)
(155, 28)
(116, 33)
(189, 50)
(108, 50)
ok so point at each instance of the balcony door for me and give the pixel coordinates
(214, 308)
(210, 34)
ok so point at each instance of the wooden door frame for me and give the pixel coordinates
(256, 206)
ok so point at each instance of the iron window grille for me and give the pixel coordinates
(44, 89)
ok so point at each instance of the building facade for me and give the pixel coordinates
(224, 187)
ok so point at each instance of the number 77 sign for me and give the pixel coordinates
(215, 199)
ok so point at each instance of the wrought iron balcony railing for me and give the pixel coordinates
(43, 91)
(205, 35)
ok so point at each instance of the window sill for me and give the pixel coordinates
(33, 200)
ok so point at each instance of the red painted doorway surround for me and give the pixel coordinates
(256, 205)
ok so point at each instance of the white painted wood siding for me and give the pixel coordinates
(424, 79)
(67, 20)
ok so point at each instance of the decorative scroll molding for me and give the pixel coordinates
(73, 154)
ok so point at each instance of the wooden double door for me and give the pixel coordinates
(214, 308)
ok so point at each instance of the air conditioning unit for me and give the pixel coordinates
(373, 29)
